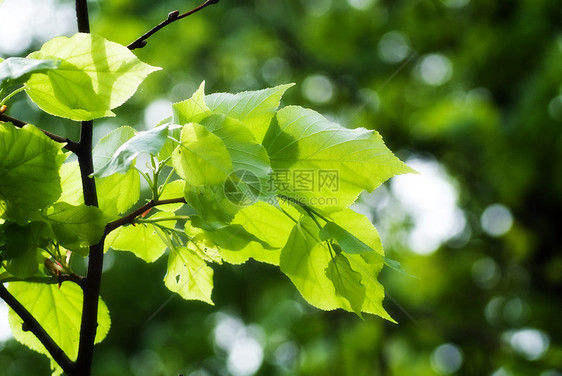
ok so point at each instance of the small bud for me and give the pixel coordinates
(173, 15)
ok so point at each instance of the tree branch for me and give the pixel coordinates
(70, 145)
(91, 286)
(172, 16)
(54, 280)
(130, 218)
(31, 324)
(82, 16)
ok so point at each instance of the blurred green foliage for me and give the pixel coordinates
(471, 86)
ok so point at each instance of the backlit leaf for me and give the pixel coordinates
(143, 239)
(234, 244)
(189, 275)
(323, 164)
(192, 110)
(59, 312)
(347, 282)
(201, 157)
(349, 243)
(146, 142)
(254, 108)
(76, 227)
(266, 222)
(29, 170)
(94, 76)
(306, 261)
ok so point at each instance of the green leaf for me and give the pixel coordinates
(254, 108)
(172, 190)
(144, 240)
(20, 247)
(59, 312)
(235, 244)
(350, 243)
(201, 157)
(16, 70)
(347, 282)
(71, 183)
(306, 261)
(118, 192)
(211, 203)
(95, 76)
(267, 222)
(29, 170)
(107, 146)
(76, 227)
(324, 165)
(189, 275)
(192, 110)
(149, 142)
(250, 161)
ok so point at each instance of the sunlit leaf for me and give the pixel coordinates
(192, 110)
(323, 164)
(59, 312)
(189, 275)
(254, 108)
(146, 142)
(143, 239)
(118, 192)
(94, 76)
(29, 170)
(266, 222)
(347, 282)
(250, 161)
(172, 190)
(234, 244)
(201, 158)
(349, 243)
(306, 259)
(76, 227)
(71, 183)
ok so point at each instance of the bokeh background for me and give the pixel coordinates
(468, 92)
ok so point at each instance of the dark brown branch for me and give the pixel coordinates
(82, 16)
(32, 325)
(69, 144)
(73, 277)
(91, 286)
(130, 218)
(172, 17)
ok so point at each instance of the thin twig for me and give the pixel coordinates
(172, 17)
(32, 325)
(130, 218)
(69, 144)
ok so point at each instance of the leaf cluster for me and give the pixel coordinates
(231, 177)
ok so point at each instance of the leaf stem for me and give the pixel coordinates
(32, 325)
(7, 97)
(172, 16)
(154, 220)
